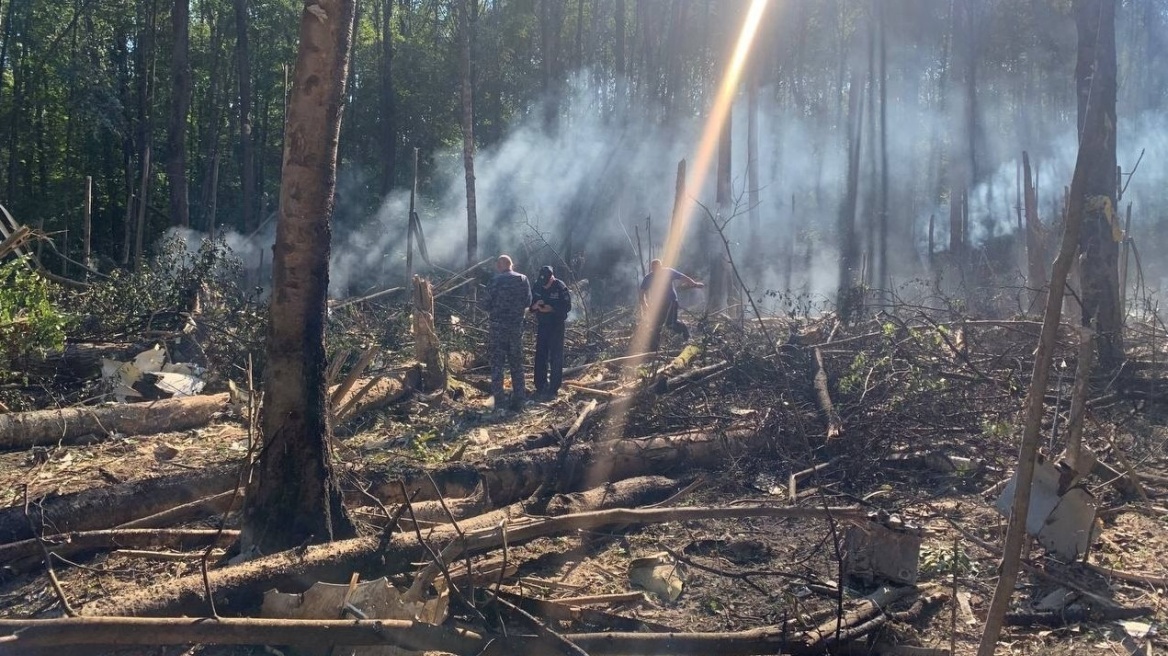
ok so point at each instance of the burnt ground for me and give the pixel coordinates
(910, 389)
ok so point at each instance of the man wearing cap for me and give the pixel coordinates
(552, 303)
(505, 301)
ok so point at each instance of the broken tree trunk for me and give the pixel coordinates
(835, 426)
(23, 430)
(426, 346)
(1035, 241)
(104, 507)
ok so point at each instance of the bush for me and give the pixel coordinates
(163, 295)
(29, 322)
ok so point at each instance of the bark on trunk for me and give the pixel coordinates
(294, 497)
(24, 430)
(179, 108)
(1099, 241)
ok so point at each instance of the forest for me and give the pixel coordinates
(908, 398)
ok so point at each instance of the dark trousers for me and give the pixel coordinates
(549, 353)
(506, 352)
(667, 317)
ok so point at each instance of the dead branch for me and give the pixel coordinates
(71, 543)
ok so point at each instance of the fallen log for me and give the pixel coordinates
(29, 637)
(158, 502)
(240, 587)
(23, 430)
(103, 507)
(515, 476)
(66, 544)
(24, 636)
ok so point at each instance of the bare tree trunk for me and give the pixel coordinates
(388, 113)
(752, 194)
(619, 55)
(180, 105)
(294, 497)
(468, 145)
(87, 225)
(1035, 240)
(846, 302)
(719, 285)
(143, 203)
(247, 220)
(1099, 267)
(1020, 510)
(882, 278)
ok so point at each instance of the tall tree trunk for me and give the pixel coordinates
(388, 113)
(295, 498)
(468, 145)
(718, 288)
(882, 279)
(247, 221)
(1093, 140)
(846, 301)
(176, 168)
(1035, 240)
(752, 193)
(1099, 241)
(619, 54)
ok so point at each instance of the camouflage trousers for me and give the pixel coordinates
(505, 351)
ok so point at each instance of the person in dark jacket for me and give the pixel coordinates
(552, 303)
(659, 300)
(505, 301)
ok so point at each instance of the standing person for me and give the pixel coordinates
(552, 304)
(659, 300)
(506, 301)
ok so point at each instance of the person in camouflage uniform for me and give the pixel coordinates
(506, 300)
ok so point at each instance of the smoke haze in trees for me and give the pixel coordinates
(574, 195)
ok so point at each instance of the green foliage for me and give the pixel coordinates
(29, 322)
(199, 289)
(946, 561)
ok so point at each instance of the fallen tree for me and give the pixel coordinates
(151, 503)
(241, 587)
(25, 636)
(105, 507)
(23, 430)
(516, 476)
